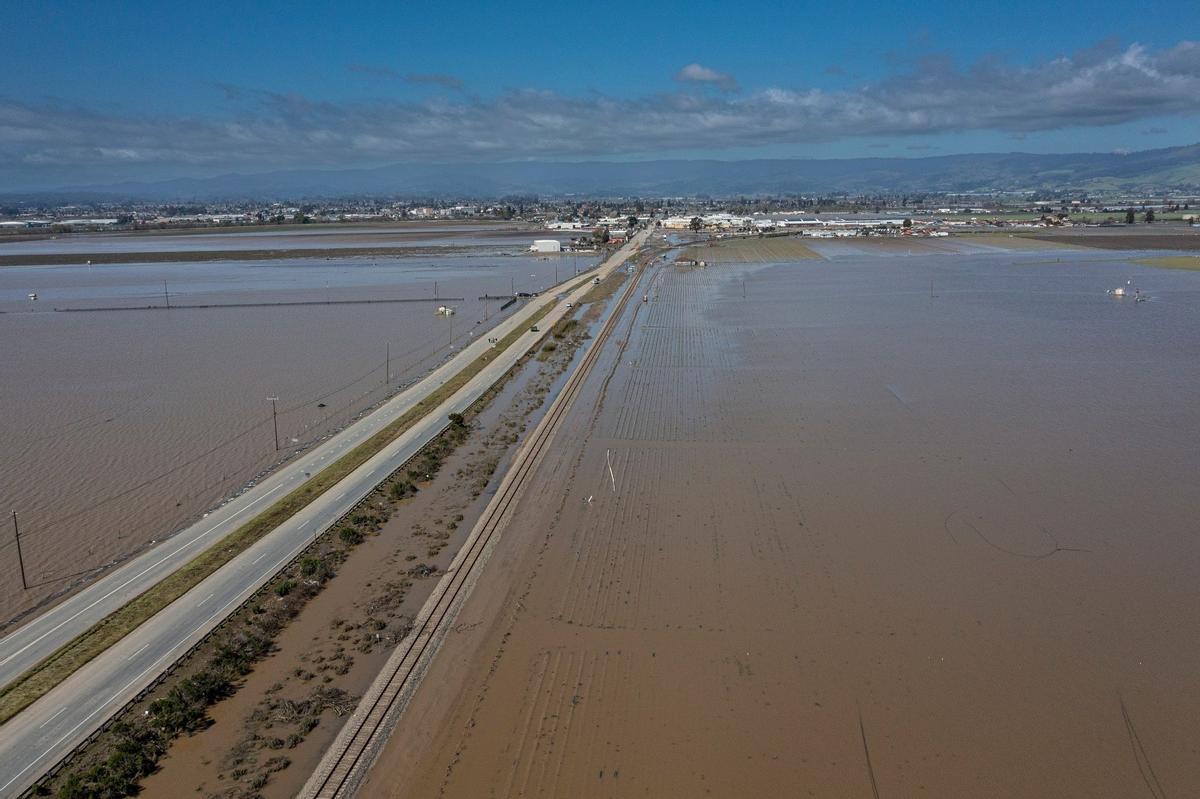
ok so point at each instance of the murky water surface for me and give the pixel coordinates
(119, 426)
(328, 237)
(912, 521)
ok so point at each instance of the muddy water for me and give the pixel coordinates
(364, 583)
(325, 237)
(120, 426)
(856, 539)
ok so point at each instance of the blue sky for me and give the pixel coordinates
(104, 91)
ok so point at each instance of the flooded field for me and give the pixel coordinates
(897, 522)
(323, 237)
(120, 426)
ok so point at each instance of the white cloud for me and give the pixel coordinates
(695, 73)
(264, 130)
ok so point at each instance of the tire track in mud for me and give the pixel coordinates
(1149, 777)
(525, 589)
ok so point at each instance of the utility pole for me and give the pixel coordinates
(275, 421)
(166, 296)
(556, 273)
(20, 557)
(435, 290)
(513, 283)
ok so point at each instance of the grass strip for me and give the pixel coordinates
(751, 249)
(1191, 262)
(74, 654)
(114, 763)
(601, 292)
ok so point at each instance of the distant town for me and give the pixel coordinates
(818, 216)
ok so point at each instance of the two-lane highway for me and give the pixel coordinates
(41, 735)
(28, 645)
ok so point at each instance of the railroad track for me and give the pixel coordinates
(358, 742)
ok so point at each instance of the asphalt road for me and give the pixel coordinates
(47, 730)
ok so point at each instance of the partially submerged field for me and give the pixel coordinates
(1013, 241)
(160, 416)
(1191, 262)
(748, 249)
(197, 256)
(842, 537)
(1131, 237)
(73, 655)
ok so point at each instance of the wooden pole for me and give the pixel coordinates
(20, 556)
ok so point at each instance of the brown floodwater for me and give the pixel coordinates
(120, 426)
(333, 237)
(894, 523)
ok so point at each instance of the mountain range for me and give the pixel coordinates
(1171, 169)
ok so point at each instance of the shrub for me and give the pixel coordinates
(402, 489)
(184, 707)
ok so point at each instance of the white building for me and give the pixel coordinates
(546, 245)
(677, 222)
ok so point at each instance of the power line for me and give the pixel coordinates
(207, 453)
(149, 481)
(56, 522)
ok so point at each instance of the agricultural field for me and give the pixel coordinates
(820, 530)
(756, 249)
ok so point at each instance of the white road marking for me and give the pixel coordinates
(132, 579)
(135, 654)
(169, 653)
(60, 711)
(202, 601)
(85, 720)
(214, 613)
(260, 557)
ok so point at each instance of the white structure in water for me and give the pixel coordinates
(546, 245)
